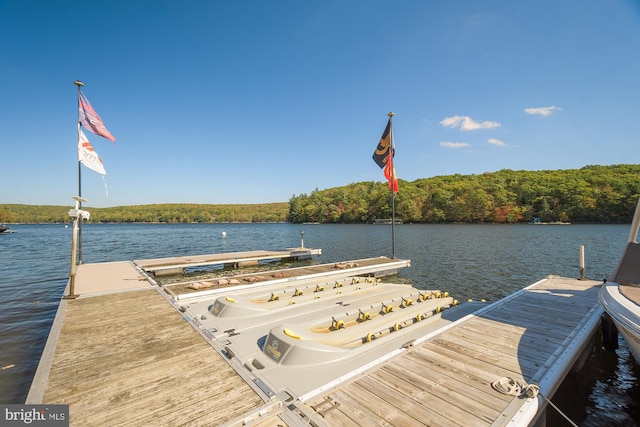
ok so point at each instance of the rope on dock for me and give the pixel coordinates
(507, 385)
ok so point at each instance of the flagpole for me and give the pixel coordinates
(79, 84)
(393, 187)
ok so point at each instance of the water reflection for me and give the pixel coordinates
(605, 393)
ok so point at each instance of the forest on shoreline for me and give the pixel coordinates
(155, 213)
(592, 194)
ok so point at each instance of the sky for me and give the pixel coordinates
(228, 102)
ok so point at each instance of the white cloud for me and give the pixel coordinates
(496, 142)
(466, 123)
(542, 111)
(448, 144)
(451, 121)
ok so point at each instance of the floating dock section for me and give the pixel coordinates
(177, 265)
(319, 344)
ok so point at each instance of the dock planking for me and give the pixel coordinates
(129, 359)
(446, 380)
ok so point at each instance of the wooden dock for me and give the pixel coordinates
(123, 354)
(165, 266)
(533, 336)
(126, 359)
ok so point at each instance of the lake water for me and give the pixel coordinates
(468, 261)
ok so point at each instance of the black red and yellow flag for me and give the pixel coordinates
(384, 160)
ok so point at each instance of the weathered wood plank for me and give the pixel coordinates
(131, 359)
(519, 332)
(567, 308)
(274, 421)
(507, 345)
(380, 407)
(478, 356)
(465, 357)
(482, 371)
(351, 412)
(391, 406)
(514, 316)
(509, 337)
(496, 354)
(417, 385)
(466, 385)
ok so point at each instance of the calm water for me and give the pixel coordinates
(468, 261)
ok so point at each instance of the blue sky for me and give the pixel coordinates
(255, 101)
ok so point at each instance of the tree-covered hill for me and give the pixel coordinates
(172, 213)
(600, 194)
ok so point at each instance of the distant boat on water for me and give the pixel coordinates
(537, 221)
(6, 230)
(386, 221)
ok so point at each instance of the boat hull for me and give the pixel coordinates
(625, 313)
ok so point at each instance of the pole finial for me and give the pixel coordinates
(391, 114)
(78, 83)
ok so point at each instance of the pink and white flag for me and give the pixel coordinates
(90, 120)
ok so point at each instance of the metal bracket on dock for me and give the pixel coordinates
(328, 404)
(228, 352)
(408, 344)
(262, 386)
(231, 332)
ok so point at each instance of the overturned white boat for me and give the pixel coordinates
(620, 295)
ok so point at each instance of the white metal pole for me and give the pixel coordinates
(79, 84)
(581, 262)
(393, 193)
